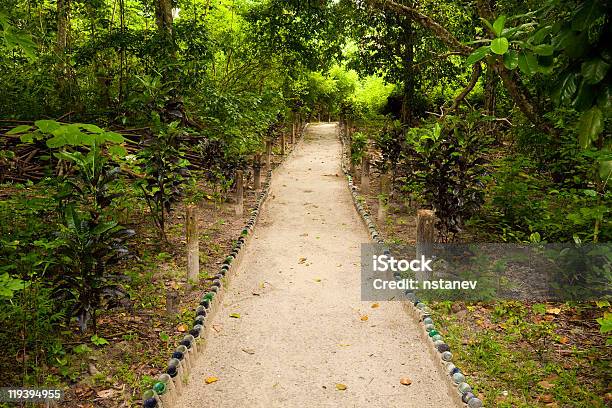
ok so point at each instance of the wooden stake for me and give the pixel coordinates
(425, 239)
(269, 154)
(172, 302)
(293, 131)
(257, 172)
(283, 142)
(193, 246)
(239, 193)
(365, 174)
(383, 200)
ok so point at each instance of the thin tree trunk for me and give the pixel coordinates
(409, 83)
(164, 20)
(63, 21)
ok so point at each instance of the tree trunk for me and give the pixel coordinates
(490, 95)
(409, 83)
(163, 16)
(63, 21)
(490, 90)
(164, 20)
(63, 72)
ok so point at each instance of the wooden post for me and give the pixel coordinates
(365, 174)
(283, 142)
(172, 302)
(269, 154)
(293, 131)
(239, 193)
(257, 172)
(193, 246)
(383, 200)
(425, 239)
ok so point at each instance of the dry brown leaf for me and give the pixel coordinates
(405, 381)
(564, 340)
(106, 393)
(182, 327)
(553, 310)
(302, 260)
(210, 380)
(546, 398)
(341, 387)
(364, 318)
(546, 385)
(375, 305)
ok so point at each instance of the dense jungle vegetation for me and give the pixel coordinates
(115, 113)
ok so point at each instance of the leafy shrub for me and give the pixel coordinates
(86, 249)
(447, 161)
(166, 170)
(359, 143)
(390, 142)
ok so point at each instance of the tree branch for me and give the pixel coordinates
(436, 57)
(476, 71)
(522, 99)
(442, 33)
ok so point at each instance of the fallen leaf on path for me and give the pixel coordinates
(364, 318)
(302, 260)
(317, 280)
(106, 393)
(249, 351)
(182, 327)
(375, 305)
(235, 315)
(405, 381)
(341, 387)
(210, 380)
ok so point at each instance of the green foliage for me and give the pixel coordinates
(446, 160)
(165, 169)
(9, 285)
(87, 249)
(359, 144)
(605, 324)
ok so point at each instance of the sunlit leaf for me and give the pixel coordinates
(19, 129)
(500, 45)
(477, 55)
(498, 25)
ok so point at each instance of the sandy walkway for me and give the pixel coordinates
(303, 332)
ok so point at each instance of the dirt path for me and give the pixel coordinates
(297, 291)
